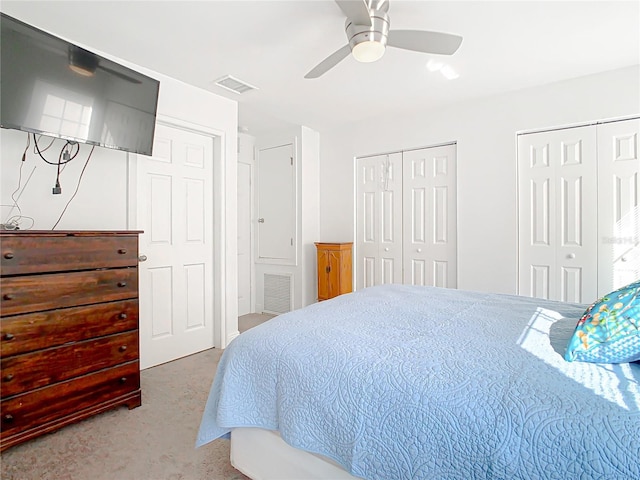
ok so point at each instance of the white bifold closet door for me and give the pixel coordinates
(618, 208)
(578, 211)
(558, 214)
(429, 214)
(406, 218)
(379, 220)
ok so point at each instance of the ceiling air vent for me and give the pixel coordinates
(233, 84)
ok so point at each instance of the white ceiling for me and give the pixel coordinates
(508, 45)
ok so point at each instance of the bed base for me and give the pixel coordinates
(263, 455)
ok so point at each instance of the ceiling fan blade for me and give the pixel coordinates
(424, 41)
(329, 62)
(356, 10)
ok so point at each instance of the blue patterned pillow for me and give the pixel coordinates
(609, 331)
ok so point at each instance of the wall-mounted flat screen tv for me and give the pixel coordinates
(49, 86)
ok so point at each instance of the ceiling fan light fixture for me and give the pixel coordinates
(368, 42)
(368, 51)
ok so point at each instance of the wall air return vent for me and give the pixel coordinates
(277, 293)
(234, 85)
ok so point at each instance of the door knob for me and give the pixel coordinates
(571, 256)
(419, 250)
(386, 249)
(142, 258)
(261, 220)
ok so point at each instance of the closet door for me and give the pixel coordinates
(618, 211)
(429, 216)
(276, 205)
(557, 185)
(379, 220)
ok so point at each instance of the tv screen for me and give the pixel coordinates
(52, 87)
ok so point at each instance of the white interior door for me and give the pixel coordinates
(429, 216)
(175, 210)
(618, 211)
(557, 184)
(379, 220)
(245, 259)
(276, 205)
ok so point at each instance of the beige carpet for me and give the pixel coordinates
(245, 322)
(152, 442)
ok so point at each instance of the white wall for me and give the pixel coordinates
(101, 202)
(485, 131)
(310, 213)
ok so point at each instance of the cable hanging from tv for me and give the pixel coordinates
(64, 158)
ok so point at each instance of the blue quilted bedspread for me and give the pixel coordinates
(401, 382)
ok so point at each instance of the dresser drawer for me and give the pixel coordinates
(65, 399)
(34, 293)
(21, 373)
(22, 253)
(35, 331)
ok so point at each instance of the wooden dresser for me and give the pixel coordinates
(69, 328)
(334, 269)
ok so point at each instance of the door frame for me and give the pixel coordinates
(225, 319)
(252, 276)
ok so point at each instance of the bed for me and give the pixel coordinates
(404, 382)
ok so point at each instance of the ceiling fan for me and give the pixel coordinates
(368, 33)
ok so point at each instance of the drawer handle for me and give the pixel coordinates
(122, 316)
(123, 348)
(8, 296)
(8, 255)
(8, 336)
(8, 418)
(123, 379)
(8, 378)
(122, 251)
(122, 284)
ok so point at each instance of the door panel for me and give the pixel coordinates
(175, 210)
(379, 220)
(618, 210)
(557, 183)
(276, 204)
(323, 268)
(334, 273)
(429, 212)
